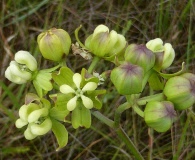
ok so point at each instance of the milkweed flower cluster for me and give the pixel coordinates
(63, 95)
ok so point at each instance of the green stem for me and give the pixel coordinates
(182, 139)
(118, 113)
(103, 119)
(131, 147)
(93, 64)
(121, 134)
(138, 110)
(151, 141)
(156, 97)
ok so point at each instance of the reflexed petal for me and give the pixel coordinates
(72, 104)
(13, 78)
(66, 89)
(77, 79)
(25, 110)
(87, 102)
(15, 70)
(35, 115)
(20, 123)
(41, 129)
(155, 45)
(90, 86)
(24, 57)
(28, 134)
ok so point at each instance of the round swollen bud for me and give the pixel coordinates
(140, 55)
(103, 43)
(181, 90)
(159, 115)
(127, 78)
(54, 43)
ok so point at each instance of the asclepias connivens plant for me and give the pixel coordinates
(61, 93)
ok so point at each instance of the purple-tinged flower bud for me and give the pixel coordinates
(159, 115)
(181, 90)
(140, 55)
(127, 78)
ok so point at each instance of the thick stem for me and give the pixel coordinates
(156, 97)
(93, 64)
(121, 134)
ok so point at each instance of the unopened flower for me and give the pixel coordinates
(181, 90)
(159, 115)
(105, 44)
(54, 43)
(20, 71)
(165, 54)
(127, 78)
(140, 55)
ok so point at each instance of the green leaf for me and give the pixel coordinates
(85, 117)
(155, 82)
(76, 117)
(43, 80)
(64, 76)
(62, 100)
(38, 88)
(58, 113)
(60, 133)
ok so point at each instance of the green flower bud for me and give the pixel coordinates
(181, 90)
(164, 54)
(54, 43)
(127, 78)
(103, 43)
(159, 115)
(140, 55)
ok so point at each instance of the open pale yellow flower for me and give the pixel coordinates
(78, 92)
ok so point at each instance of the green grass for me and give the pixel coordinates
(139, 21)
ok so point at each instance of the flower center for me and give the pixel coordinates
(79, 92)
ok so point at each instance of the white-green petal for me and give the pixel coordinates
(90, 86)
(35, 115)
(77, 79)
(25, 110)
(66, 89)
(41, 129)
(155, 45)
(100, 28)
(28, 134)
(87, 102)
(72, 103)
(20, 123)
(24, 57)
(16, 70)
(13, 78)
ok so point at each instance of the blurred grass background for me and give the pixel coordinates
(139, 21)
